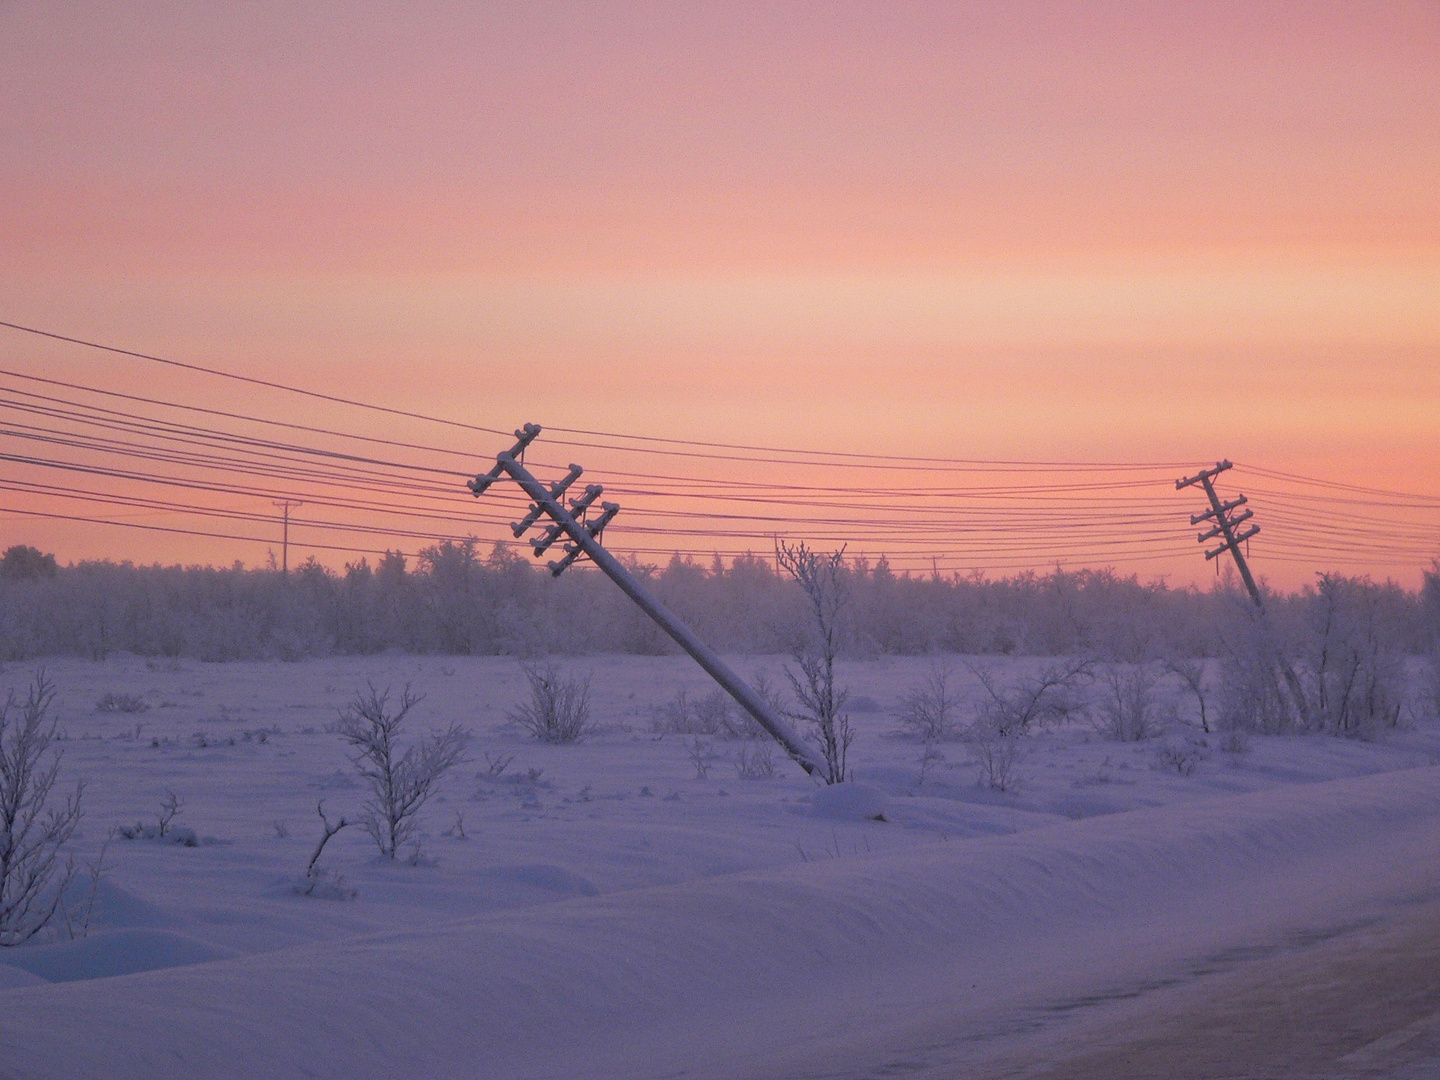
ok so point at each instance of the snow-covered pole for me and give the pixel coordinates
(1226, 528)
(585, 540)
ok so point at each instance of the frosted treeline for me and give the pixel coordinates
(455, 598)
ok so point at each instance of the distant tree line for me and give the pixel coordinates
(456, 599)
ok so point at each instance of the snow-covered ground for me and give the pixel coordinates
(601, 910)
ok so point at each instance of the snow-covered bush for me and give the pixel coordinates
(997, 751)
(1352, 669)
(702, 755)
(1250, 697)
(930, 711)
(824, 581)
(1126, 711)
(755, 762)
(1049, 697)
(1180, 752)
(325, 884)
(122, 703)
(34, 828)
(179, 835)
(713, 714)
(1191, 673)
(1430, 684)
(317, 881)
(1249, 689)
(164, 830)
(400, 783)
(559, 707)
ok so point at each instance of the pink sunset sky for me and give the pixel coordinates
(1138, 233)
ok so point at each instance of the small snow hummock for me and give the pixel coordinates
(849, 802)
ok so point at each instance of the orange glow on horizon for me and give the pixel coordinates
(1053, 231)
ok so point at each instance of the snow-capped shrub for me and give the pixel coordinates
(930, 711)
(1126, 711)
(1049, 697)
(323, 884)
(400, 783)
(122, 703)
(825, 582)
(1352, 669)
(713, 714)
(755, 762)
(34, 827)
(998, 751)
(174, 834)
(559, 707)
(1181, 753)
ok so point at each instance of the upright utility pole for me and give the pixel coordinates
(1226, 528)
(584, 538)
(285, 543)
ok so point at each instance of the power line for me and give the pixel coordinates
(878, 460)
(1111, 510)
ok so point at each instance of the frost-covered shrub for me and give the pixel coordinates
(702, 755)
(317, 881)
(164, 830)
(1049, 697)
(1126, 710)
(997, 753)
(1430, 684)
(755, 762)
(1250, 697)
(1250, 691)
(400, 783)
(820, 704)
(179, 835)
(1180, 753)
(1191, 673)
(713, 714)
(930, 711)
(121, 703)
(325, 884)
(1352, 667)
(34, 827)
(559, 707)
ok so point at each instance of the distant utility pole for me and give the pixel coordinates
(1226, 523)
(584, 538)
(285, 543)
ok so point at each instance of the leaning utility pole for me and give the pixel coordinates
(285, 543)
(1226, 523)
(584, 537)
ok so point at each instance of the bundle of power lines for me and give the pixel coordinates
(96, 455)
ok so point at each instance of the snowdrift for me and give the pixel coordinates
(842, 967)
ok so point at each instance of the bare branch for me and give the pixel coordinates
(33, 828)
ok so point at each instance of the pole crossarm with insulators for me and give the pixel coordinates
(1225, 526)
(583, 538)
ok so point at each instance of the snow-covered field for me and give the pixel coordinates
(600, 910)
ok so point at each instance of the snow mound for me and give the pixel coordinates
(118, 952)
(849, 802)
(117, 908)
(12, 977)
(554, 879)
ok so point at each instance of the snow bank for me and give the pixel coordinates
(117, 952)
(849, 802)
(818, 967)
